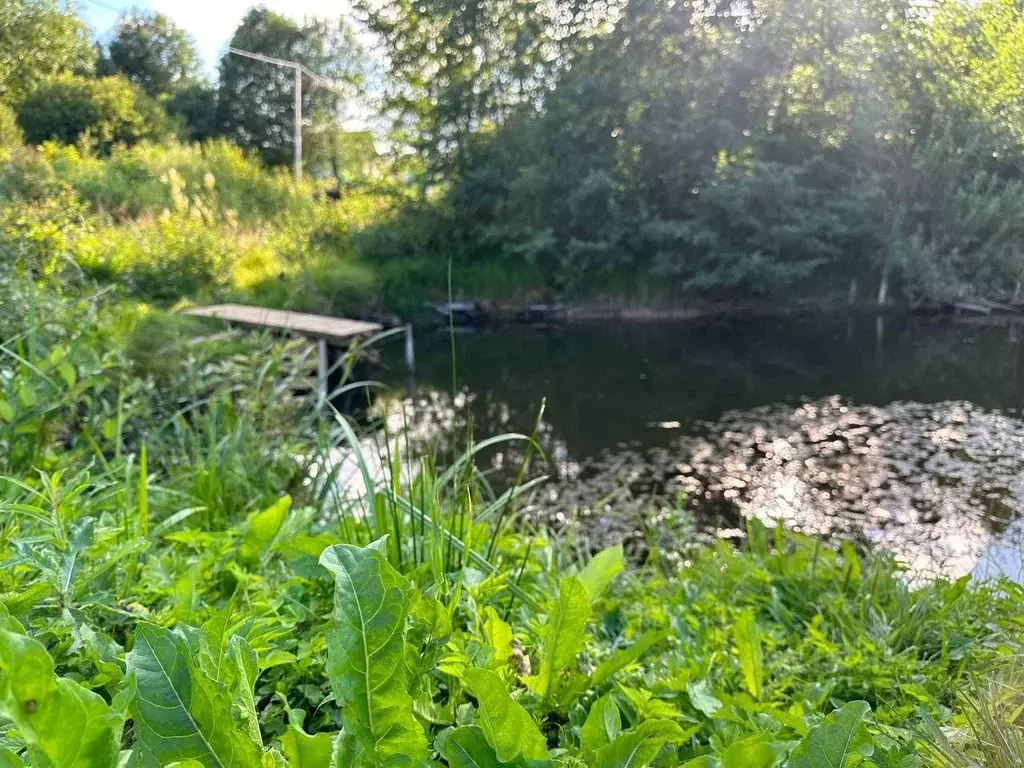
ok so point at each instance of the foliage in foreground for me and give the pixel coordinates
(192, 577)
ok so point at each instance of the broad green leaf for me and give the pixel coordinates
(63, 724)
(105, 654)
(499, 636)
(756, 751)
(302, 750)
(602, 568)
(562, 637)
(841, 740)
(467, 747)
(67, 372)
(182, 713)
(262, 529)
(228, 659)
(366, 652)
(6, 411)
(602, 726)
(239, 675)
(431, 617)
(637, 747)
(506, 724)
(10, 760)
(748, 648)
(702, 698)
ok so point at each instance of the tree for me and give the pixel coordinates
(256, 100)
(727, 148)
(107, 111)
(195, 107)
(154, 53)
(39, 39)
(461, 66)
(10, 133)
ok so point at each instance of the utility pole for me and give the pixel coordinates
(298, 124)
(299, 70)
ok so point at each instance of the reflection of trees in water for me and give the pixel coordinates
(605, 384)
(917, 478)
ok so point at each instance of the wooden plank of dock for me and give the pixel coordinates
(337, 330)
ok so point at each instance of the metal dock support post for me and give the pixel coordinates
(410, 358)
(410, 351)
(323, 366)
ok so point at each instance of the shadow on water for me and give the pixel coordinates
(901, 431)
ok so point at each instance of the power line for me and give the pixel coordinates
(318, 79)
(99, 4)
(299, 70)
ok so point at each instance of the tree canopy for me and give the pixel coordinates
(105, 111)
(723, 148)
(39, 39)
(154, 53)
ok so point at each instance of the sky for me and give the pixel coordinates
(210, 22)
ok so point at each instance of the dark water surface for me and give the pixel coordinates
(905, 432)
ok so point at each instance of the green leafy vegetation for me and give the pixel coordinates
(203, 564)
(186, 582)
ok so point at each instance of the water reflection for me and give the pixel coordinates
(904, 433)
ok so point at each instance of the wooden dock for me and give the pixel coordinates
(335, 330)
(323, 329)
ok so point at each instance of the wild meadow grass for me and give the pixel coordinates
(186, 581)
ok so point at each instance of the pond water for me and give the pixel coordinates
(904, 432)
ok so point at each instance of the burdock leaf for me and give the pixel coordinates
(181, 713)
(841, 740)
(63, 724)
(562, 637)
(366, 652)
(506, 724)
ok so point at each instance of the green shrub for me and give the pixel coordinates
(39, 235)
(27, 175)
(131, 180)
(167, 258)
(103, 111)
(10, 133)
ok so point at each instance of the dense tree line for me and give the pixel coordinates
(145, 82)
(728, 149)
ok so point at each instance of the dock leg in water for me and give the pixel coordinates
(410, 358)
(323, 365)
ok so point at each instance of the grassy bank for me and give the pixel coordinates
(175, 590)
(205, 222)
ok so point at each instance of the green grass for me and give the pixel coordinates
(169, 497)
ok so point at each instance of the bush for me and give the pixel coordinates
(195, 107)
(10, 133)
(27, 175)
(131, 181)
(105, 111)
(38, 235)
